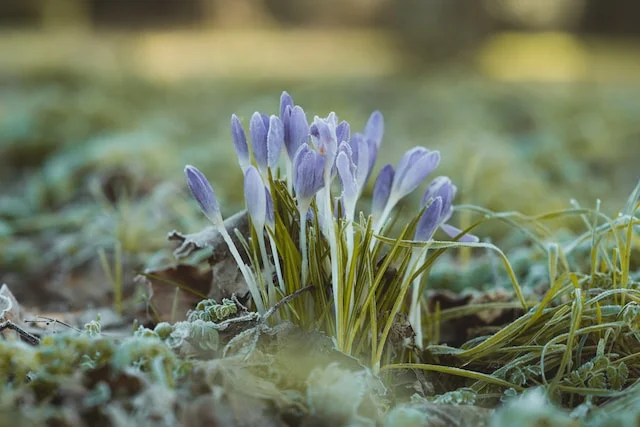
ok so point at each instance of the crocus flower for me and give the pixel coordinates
(270, 218)
(374, 129)
(323, 136)
(347, 172)
(308, 170)
(240, 142)
(259, 128)
(429, 221)
(203, 193)
(254, 194)
(285, 101)
(412, 170)
(381, 190)
(275, 141)
(444, 188)
(296, 130)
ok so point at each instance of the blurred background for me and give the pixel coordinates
(102, 102)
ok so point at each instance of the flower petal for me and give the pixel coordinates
(203, 193)
(254, 195)
(453, 232)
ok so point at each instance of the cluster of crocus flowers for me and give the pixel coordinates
(326, 168)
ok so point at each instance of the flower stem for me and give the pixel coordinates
(251, 284)
(303, 247)
(276, 261)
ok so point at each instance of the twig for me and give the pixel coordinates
(286, 300)
(26, 336)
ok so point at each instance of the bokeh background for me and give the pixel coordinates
(102, 102)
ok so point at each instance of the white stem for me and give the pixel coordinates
(303, 246)
(267, 268)
(380, 222)
(350, 250)
(333, 247)
(276, 261)
(415, 317)
(289, 176)
(251, 284)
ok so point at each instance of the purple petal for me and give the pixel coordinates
(285, 101)
(270, 217)
(343, 132)
(381, 190)
(345, 170)
(275, 141)
(429, 221)
(413, 169)
(265, 120)
(373, 155)
(254, 195)
(240, 141)
(258, 131)
(203, 193)
(308, 169)
(455, 231)
(443, 187)
(354, 142)
(361, 162)
(374, 129)
(298, 131)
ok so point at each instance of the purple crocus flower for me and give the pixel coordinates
(203, 193)
(347, 172)
(254, 194)
(381, 190)
(296, 130)
(443, 187)
(308, 174)
(275, 141)
(240, 142)
(323, 136)
(374, 129)
(412, 170)
(285, 101)
(429, 221)
(259, 128)
(270, 217)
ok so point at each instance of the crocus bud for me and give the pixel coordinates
(374, 129)
(323, 135)
(254, 195)
(285, 101)
(259, 128)
(443, 187)
(429, 221)
(240, 142)
(297, 131)
(308, 170)
(413, 169)
(346, 170)
(203, 193)
(381, 190)
(275, 141)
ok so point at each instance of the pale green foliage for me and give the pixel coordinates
(406, 415)
(341, 395)
(532, 409)
(209, 310)
(462, 396)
